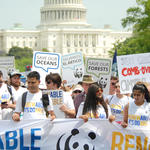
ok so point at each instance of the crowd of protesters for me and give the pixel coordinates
(84, 100)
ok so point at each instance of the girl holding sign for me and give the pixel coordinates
(94, 105)
(136, 113)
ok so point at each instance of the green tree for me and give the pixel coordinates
(45, 50)
(139, 18)
(21, 64)
(19, 52)
(23, 57)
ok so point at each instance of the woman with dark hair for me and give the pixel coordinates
(136, 113)
(94, 105)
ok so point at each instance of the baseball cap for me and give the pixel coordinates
(77, 87)
(14, 73)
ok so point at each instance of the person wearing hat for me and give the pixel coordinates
(76, 90)
(15, 90)
(15, 83)
(86, 82)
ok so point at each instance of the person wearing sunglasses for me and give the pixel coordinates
(66, 108)
(76, 90)
(112, 89)
(113, 81)
(117, 104)
(94, 105)
(86, 82)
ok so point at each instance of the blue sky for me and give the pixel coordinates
(27, 12)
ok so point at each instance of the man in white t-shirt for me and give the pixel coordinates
(15, 90)
(66, 109)
(34, 105)
(15, 83)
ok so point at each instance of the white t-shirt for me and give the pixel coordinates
(4, 93)
(100, 113)
(34, 107)
(6, 113)
(17, 93)
(68, 101)
(138, 116)
(117, 106)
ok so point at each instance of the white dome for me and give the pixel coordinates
(63, 13)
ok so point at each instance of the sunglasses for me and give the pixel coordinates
(1, 82)
(77, 91)
(117, 86)
(113, 83)
(48, 82)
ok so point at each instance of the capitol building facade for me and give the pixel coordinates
(63, 29)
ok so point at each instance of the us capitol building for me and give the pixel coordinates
(63, 29)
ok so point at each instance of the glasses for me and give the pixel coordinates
(77, 91)
(1, 82)
(48, 82)
(113, 83)
(117, 86)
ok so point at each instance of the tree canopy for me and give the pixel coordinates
(23, 57)
(139, 19)
(20, 53)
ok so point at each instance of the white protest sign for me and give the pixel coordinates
(7, 62)
(72, 68)
(133, 68)
(5, 73)
(44, 63)
(57, 99)
(100, 69)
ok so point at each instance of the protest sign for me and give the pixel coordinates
(7, 62)
(71, 134)
(72, 68)
(44, 63)
(57, 99)
(133, 68)
(100, 69)
(7, 65)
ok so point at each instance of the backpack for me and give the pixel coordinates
(45, 101)
(10, 91)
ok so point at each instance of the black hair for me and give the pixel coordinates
(1, 73)
(114, 78)
(91, 102)
(55, 78)
(34, 74)
(143, 89)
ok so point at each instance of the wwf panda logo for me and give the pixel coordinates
(76, 141)
(78, 73)
(103, 81)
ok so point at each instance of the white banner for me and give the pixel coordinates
(70, 134)
(133, 68)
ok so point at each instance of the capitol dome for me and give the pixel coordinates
(62, 14)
